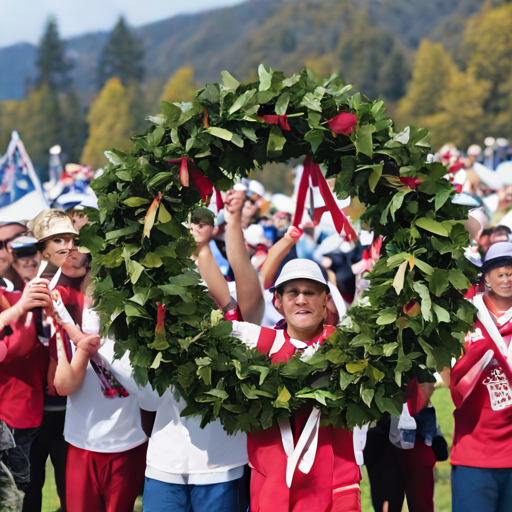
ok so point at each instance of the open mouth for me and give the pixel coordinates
(303, 312)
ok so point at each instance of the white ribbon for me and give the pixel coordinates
(304, 453)
(487, 321)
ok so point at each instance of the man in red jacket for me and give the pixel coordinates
(23, 368)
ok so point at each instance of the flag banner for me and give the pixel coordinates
(21, 194)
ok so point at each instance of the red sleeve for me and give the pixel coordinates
(417, 397)
(20, 342)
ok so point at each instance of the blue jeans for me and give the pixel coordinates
(164, 497)
(481, 489)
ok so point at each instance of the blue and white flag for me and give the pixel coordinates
(21, 194)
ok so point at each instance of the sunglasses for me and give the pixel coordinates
(7, 244)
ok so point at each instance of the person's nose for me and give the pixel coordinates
(301, 299)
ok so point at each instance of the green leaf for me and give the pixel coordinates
(152, 260)
(218, 393)
(163, 215)
(432, 225)
(265, 78)
(171, 111)
(135, 202)
(458, 279)
(312, 102)
(375, 176)
(118, 233)
(315, 138)
(398, 281)
(156, 363)
(364, 141)
(367, 396)
(276, 142)
(242, 101)
(229, 83)
(250, 134)
(423, 266)
(441, 198)
(282, 104)
(221, 133)
(346, 379)
(386, 319)
(426, 302)
(439, 282)
(134, 270)
(284, 395)
(356, 367)
(441, 313)
(390, 348)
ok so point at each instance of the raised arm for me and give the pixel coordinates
(276, 255)
(203, 232)
(70, 376)
(249, 294)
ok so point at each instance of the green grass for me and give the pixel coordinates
(442, 499)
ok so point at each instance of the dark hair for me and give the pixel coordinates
(504, 261)
(501, 227)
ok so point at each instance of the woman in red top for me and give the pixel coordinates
(480, 388)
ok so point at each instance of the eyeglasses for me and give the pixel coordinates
(7, 244)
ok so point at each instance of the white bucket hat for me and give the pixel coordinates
(300, 268)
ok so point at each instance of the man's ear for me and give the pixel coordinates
(278, 303)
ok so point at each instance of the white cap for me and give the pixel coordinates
(255, 235)
(255, 187)
(498, 250)
(300, 268)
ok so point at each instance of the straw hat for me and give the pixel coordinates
(50, 223)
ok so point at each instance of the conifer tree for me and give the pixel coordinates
(53, 67)
(111, 123)
(121, 57)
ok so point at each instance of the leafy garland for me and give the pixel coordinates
(414, 317)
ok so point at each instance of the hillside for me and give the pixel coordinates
(286, 34)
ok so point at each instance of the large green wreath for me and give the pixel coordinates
(362, 369)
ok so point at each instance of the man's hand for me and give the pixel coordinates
(90, 344)
(35, 295)
(233, 206)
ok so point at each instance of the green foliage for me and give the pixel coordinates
(121, 57)
(360, 372)
(53, 67)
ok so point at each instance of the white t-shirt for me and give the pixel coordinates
(99, 424)
(181, 452)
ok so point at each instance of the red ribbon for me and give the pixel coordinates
(203, 184)
(183, 169)
(160, 317)
(312, 170)
(282, 121)
(218, 199)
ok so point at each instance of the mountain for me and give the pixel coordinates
(285, 34)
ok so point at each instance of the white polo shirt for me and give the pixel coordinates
(100, 424)
(181, 452)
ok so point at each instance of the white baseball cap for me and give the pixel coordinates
(300, 268)
(255, 187)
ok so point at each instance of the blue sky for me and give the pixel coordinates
(24, 20)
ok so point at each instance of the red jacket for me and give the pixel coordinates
(23, 373)
(334, 466)
(483, 420)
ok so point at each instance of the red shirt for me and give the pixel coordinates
(22, 374)
(483, 421)
(334, 466)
